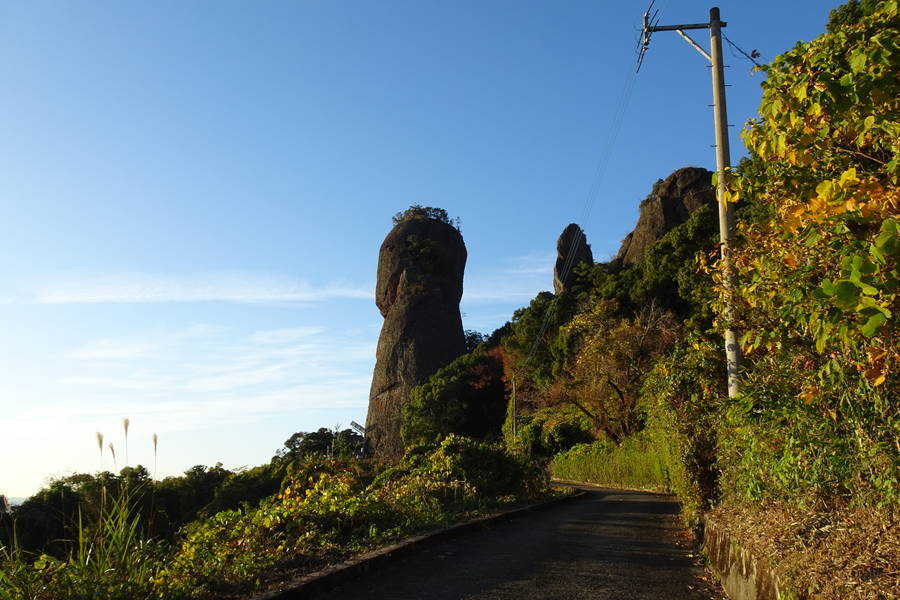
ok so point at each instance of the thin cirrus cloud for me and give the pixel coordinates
(248, 288)
(206, 359)
(519, 280)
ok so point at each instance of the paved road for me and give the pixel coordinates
(613, 544)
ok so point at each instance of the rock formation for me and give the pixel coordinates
(571, 241)
(419, 286)
(669, 205)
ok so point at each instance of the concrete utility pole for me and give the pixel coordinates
(723, 165)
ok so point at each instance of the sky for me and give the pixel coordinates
(193, 194)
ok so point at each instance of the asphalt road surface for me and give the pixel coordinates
(613, 544)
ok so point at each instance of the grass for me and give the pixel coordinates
(110, 559)
(635, 463)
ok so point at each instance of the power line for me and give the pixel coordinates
(587, 207)
(751, 57)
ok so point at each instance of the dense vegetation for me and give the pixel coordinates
(320, 510)
(819, 277)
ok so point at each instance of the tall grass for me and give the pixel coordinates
(109, 559)
(18, 578)
(637, 463)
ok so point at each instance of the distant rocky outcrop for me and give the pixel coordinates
(669, 205)
(572, 241)
(419, 286)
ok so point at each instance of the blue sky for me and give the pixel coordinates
(192, 194)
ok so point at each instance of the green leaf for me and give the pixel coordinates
(887, 240)
(827, 287)
(858, 61)
(867, 289)
(868, 123)
(873, 325)
(846, 294)
(820, 342)
(813, 238)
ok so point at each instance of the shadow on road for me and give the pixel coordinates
(612, 544)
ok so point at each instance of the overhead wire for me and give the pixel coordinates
(586, 210)
(593, 193)
(738, 48)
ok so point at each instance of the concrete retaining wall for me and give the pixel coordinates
(743, 576)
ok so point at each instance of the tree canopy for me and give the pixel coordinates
(417, 211)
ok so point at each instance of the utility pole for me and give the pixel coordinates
(515, 410)
(723, 165)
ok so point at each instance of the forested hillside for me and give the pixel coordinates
(620, 379)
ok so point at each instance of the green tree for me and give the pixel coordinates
(850, 13)
(329, 443)
(612, 358)
(417, 211)
(467, 397)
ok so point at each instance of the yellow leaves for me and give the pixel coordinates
(808, 395)
(881, 202)
(877, 372)
(825, 189)
(790, 260)
(834, 197)
(729, 196)
(875, 376)
(848, 178)
(795, 217)
(850, 205)
(800, 157)
(818, 207)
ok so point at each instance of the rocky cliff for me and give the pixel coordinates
(571, 242)
(418, 289)
(669, 205)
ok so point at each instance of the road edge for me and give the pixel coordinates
(312, 584)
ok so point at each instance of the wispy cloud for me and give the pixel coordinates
(533, 263)
(209, 287)
(281, 336)
(518, 280)
(204, 366)
(111, 350)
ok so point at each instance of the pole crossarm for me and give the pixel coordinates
(656, 28)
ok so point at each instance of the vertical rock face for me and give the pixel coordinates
(669, 205)
(419, 286)
(571, 241)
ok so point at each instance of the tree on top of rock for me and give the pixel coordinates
(417, 211)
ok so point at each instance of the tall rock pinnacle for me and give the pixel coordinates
(571, 241)
(419, 286)
(668, 206)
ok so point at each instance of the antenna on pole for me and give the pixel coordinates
(644, 41)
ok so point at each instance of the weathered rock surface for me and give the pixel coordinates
(419, 286)
(669, 205)
(571, 241)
